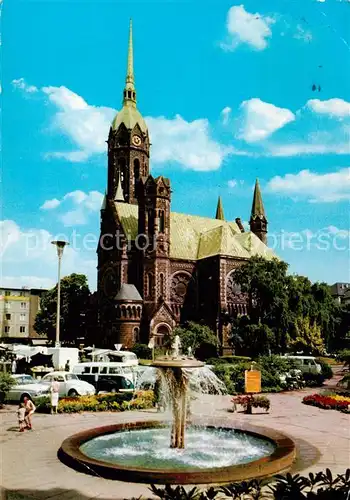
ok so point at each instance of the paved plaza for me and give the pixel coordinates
(30, 468)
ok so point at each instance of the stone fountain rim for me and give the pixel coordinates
(278, 461)
(168, 362)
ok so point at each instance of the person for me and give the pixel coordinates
(54, 389)
(67, 367)
(21, 412)
(30, 409)
(14, 366)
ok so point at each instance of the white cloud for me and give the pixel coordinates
(232, 183)
(23, 249)
(245, 27)
(225, 114)
(50, 204)
(326, 188)
(298, 149)
(80, 206)
(87, 126)
(186, 143)
(334, 107)
(22, 85)
(260, 119)
(302, 34)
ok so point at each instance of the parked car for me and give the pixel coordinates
(117, 383)
(70, 384)
(27, 386)
(307, 364)
(107, 376)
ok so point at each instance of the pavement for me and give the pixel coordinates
(30, 468)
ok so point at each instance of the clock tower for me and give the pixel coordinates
(128, 142)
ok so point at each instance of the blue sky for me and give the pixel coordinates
(230, 92)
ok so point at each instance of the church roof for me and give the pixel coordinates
(193, 237)
(130, 116)
(128, 292)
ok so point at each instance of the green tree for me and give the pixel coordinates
(200, 338)
(307, 337)
(75, 301)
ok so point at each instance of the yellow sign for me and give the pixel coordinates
(252, 381)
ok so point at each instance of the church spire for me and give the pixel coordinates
(257, 206)
(258, 221)
(129, 98)
(219, 210)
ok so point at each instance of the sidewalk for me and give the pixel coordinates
(30, 468)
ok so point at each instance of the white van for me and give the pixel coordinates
(107, 376)
(307, 364)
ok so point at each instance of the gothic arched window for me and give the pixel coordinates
(136, 173)
(161, 285)
(161, 221)
(150, 221)
(122, 171)
(150, 284)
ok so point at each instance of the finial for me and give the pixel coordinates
(129, 90)
(119, 196)
(219, 210)
(257, 206)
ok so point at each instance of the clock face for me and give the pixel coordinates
(109, 283)
(136, 140)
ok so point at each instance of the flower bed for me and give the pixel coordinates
(249, 401)
(103, 402)
(329, 402)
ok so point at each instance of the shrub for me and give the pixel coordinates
(327, 371)
(6, 382)
(344, 356)
(142, 351)
(322, 486)
(101, 402)
(232, 375)
(313, 379)
(228, 360)
(345, 382)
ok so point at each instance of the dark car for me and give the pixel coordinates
(117, 383)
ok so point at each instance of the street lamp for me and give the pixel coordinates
(60, 247)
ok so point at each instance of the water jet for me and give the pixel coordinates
(179, 452)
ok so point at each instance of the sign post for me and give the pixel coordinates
(252, 380)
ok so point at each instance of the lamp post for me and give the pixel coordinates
(60, 247)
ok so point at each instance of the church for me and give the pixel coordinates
(157, 268)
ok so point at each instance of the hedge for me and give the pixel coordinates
(103, 402)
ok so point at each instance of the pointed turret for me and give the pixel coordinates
(129, 89)
(119, 196)
(257, 206)
(104, 202)
(258, 221)
(219, 210)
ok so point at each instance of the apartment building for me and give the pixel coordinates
(18, 309)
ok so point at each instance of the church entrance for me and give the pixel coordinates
(163, 330)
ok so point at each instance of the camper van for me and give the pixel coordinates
(307, 364)
(108, 376)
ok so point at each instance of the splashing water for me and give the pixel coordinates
(205, 448)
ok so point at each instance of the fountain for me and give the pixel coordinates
(217, 453)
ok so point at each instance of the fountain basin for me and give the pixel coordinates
(278, 455)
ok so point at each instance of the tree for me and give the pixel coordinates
(280, 304)
(200, 338)
(307, 337)
(75, 301)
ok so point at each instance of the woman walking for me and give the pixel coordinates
(30, 409)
